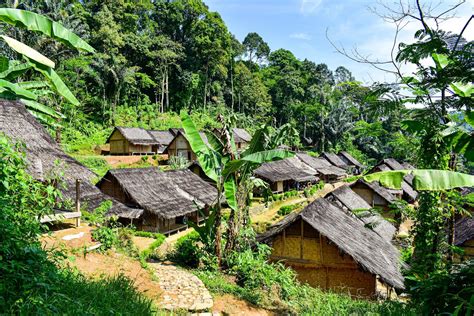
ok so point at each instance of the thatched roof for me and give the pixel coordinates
(166, 194)
(162, 137)
(335, 160)
(135, 135)
(241, 135)
(377, 188)
(321, 165)
(42, 152)
(407, 185)
(349, 234)
(463, 230)
(348, 159)
(287, 169)
(345, 198)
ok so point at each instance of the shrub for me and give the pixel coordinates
(97, 164)
(286, 209)
(186, 250)
(106, 236)
(98, 215)
(150, 253)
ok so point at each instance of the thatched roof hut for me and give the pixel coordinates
(326, 171)
(344, 244)
(42, 152)
(164, 196)
(409, 194)
(335, 160)
(349, 160)
(137, 140)
(283, 174)
(347, 199)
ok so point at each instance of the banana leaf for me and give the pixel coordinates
(230, 192)
(423, 179)
(27, 51)
(208, 159)
(58, 85)
(17, 90)
(14, 71)
(41, 108)
(39, 23)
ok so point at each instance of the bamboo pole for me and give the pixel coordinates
(78, 201)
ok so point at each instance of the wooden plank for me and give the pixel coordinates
(62, 215)
(313, 263)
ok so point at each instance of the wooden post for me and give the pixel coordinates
(301, 239)
(78, 201)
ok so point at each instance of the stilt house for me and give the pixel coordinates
(335, 160)
(138, 141)
(333, 250)
(325, 170)
(169, 199)
(241, 138)
(464, 237)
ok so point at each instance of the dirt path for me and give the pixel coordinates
(229, 305)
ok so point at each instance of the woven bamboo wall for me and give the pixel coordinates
(319, 263)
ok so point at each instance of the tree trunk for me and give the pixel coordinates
(162, 101)
(167, 90)
(218, 226)
(205, 88)
(232, 85)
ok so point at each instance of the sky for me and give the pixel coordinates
(300, 26)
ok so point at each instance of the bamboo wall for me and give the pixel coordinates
(371, 197)
(319, 263)
(180, 146)
(468, 247)
(119, 145)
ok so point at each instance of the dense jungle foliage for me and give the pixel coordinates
(155, 58)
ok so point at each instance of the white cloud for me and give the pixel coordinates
(309, 6)
(301, 36)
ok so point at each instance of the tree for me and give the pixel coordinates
(256, 49)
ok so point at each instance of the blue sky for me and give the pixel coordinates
(300, 26)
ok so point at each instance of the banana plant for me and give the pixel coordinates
(12, 70)
(220, 161)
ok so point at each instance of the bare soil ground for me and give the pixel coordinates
(54, 239)
(116, 161)
(142, 243)
(96, 265)
(230, 305)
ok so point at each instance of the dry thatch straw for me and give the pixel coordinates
(372, 252)
(287, 169)
(463, 230)
(42, 153)
(166, 194)
(335, 160)
(350, 201)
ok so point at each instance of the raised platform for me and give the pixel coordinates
(60, 215)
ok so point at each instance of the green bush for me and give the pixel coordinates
(107, 236)
(186, 250)
(286, 209)
(98, 215)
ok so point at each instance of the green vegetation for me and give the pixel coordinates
(35, 281)
(287, 209)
